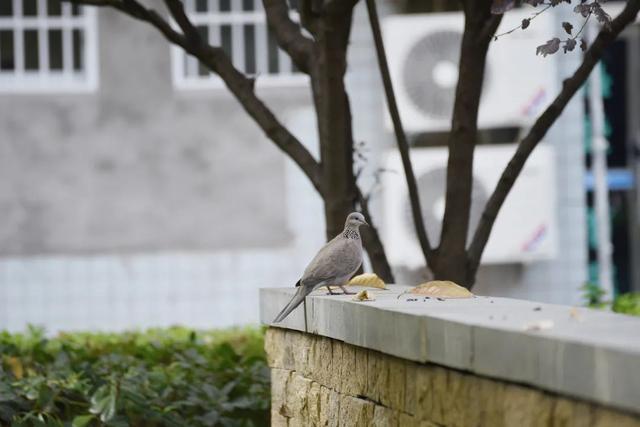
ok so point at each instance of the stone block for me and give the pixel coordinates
(568, 413)
(352, 378)
(280, 346)
(526, 407)
(329, 407)
(396, 387)
(272, 347)
(348, 371)
(431, 384)
(335, 371)
(279, 381)
(410, 392)
(356, 412)
(489, 401)
(297, 397)
(384, 417)
(377, 376)
(321, 360)
(301, 346)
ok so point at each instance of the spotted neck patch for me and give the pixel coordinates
(351, 233)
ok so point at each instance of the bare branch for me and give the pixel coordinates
(288, 33)
(541, 126)
(523, 25)
(217, 61)
(372, 242)
(137, 11)
(176, 8)
(403, 145)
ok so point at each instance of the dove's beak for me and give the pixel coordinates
(365, 223)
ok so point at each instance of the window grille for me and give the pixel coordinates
(47, 45)
(240, 28)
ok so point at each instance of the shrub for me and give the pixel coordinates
(162, 377)
(628, 304)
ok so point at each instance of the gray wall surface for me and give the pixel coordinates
(138, 166)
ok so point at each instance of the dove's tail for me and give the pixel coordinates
(295, 301)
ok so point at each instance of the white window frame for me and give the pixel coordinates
(236, 18)
(44, 80)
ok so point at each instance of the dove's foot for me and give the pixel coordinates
(330, 291)
(346, 292)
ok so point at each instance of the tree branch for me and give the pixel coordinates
(288, 33)
(479, 26)
(403, 145)
(217, 61)
(176, 8)
(309, 11)
(569, 87)
(372, 242)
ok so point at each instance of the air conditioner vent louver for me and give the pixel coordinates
(423, 54)
(525, 229)
(430, 73)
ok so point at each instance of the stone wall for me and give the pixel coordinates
(318, 381)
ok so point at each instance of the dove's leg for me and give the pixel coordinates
(330, 291)
(346, 292)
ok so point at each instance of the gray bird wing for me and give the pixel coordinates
(334, 263)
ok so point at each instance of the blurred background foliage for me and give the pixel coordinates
(628, 303)
(161, 377)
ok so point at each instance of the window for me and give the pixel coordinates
(240, 28)
(47, 46)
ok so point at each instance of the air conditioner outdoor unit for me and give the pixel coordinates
(423, 54)
(525, 229)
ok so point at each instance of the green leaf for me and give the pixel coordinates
(82, 420)
(99, 406)
(109, 410)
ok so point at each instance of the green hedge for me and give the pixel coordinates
(162, 377)
(627, 304)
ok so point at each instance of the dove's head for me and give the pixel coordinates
(355, 219)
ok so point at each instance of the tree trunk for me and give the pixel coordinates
(334, 119)
(331, 30)
(451, 261)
